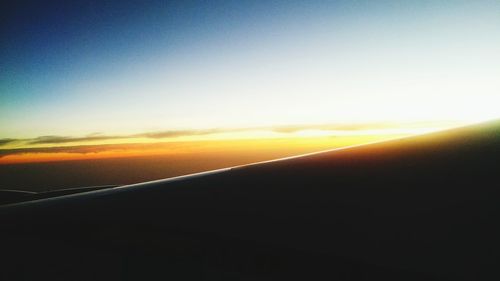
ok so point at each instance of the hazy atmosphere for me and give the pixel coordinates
(89, 80)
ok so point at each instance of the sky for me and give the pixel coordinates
(103, 72)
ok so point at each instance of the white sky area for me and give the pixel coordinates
(416, 65)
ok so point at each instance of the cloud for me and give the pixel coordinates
(334, 127)
(62, 139)
(100, 137)
(181, 133)
(95, 148)
(59, 149)
(7, 141)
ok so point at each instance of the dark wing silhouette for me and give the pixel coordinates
(421, 208)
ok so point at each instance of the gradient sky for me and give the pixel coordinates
(74, 68)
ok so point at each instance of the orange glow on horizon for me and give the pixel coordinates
(256, 149)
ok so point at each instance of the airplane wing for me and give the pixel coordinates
(420, 208)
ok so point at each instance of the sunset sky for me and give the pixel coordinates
(80, 74)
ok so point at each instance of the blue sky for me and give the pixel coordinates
(124, 67)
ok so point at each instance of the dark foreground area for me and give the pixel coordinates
(422, 208)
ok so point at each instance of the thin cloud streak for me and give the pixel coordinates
(63, 139)
(335, 127)
(62, 144)
(7, 141)
(181, 133)
(288, 129)
(81, 149)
